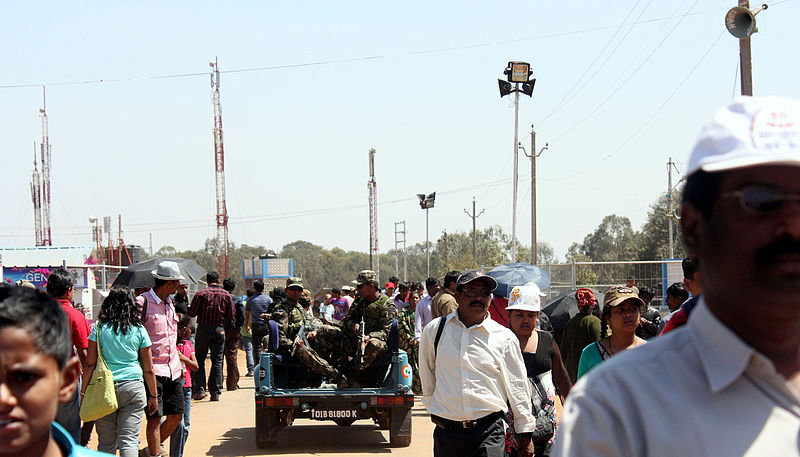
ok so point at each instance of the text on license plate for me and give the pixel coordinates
(334, 414)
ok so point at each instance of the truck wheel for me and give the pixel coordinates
(266, 421)
(395, 439)
(344, 422)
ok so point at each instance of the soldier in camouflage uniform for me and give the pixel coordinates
(377, 311)
(290, 316)
(327, 341)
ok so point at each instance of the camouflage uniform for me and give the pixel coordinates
(408, 343)
(378, 317)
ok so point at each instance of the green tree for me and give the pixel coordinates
(654, 238)
(613, 239)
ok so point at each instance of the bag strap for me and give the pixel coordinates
(100, 357)
(604, 354)
(439, 332)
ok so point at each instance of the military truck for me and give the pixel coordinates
(283, 394)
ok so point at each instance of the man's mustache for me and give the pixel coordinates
(477, 302)
(768, 255)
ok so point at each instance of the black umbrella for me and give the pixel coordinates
(140, 274)
(564, 307)
(510, 275)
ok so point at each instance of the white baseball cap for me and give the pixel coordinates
(525, 298)
(750, 132)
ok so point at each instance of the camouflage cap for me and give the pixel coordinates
(366, 276)
(294, 282)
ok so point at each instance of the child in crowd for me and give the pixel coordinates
(37, 372)
(186, 353)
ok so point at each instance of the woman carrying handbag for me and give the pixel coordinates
(125, 349)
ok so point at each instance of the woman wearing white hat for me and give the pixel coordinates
(546, 372)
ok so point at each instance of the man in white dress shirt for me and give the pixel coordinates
(728, 382)
(471, 370)
(424, 307)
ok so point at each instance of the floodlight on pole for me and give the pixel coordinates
(426, 202)
(517, 81)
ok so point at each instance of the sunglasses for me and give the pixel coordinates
(761, 200)
(472, 293)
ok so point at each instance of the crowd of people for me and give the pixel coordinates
(725, 382)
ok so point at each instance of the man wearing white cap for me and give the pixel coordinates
(161, 323)
(727, 383)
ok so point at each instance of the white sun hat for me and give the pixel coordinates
(525, 298)
(752, 131)
(167, 271)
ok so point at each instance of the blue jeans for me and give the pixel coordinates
(69, 416)
(247, 345)
(120, 429)
(212, 338)
(178, 439)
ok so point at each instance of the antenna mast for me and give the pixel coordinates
(36, 195)
(47, 239)
(373, 214)
(219, 167)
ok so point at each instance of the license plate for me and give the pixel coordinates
(325, 414)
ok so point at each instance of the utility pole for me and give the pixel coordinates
(669, 207)
(474, 216)
(444, 257)
(533, 155)
(400, 229)
(219, 169)
(372, 186)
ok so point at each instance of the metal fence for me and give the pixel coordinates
(658, 275)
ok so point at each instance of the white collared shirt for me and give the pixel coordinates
(698, 391)
(477, 370)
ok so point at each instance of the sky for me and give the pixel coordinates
(308, 88)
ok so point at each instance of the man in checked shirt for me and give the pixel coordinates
(214, 309)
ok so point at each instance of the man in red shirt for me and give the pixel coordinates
(60, 287)
(214, 309)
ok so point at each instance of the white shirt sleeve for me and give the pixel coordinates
(418, 324)
(517, 387)
(427, 362)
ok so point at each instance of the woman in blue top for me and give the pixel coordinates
(622, 312)
(125, 347)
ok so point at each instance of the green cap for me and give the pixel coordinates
(366, 276)
(294, 282)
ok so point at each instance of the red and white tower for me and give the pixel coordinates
(47, 239)
(36, 196)
(219, 167)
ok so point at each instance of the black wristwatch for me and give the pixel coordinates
(527, 435)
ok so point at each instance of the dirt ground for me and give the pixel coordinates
(226, 429)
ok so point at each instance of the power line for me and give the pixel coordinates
(345, 60)
(652, 116)
(567, 98)
(598, 106)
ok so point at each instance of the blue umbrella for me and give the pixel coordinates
(510, 275)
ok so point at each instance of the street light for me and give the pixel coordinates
(426, 202)
(517, 81)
